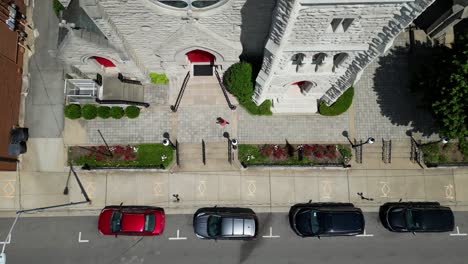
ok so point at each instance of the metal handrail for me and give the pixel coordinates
(223, 88)
(99, 101)
(203, 152)
(229, 151)
(175, 106)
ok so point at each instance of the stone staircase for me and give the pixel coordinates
(306, 105)
(191, 159)
(373, 156)
(204, 90)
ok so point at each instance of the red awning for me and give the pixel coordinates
(200, 56)
(299, 83)
(104, 62)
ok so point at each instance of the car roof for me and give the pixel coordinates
(435, 218)
(342, 221)
(132, 222)
(233, 226)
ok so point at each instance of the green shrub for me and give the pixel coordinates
(103, 112)
(238, 80)
(431, 153)
(57, 6)
(117, 112)
(89, 111)
(132, 111)
(340, 106)
(463, 146)
(345, 152)
(157, 78)
(72, 111)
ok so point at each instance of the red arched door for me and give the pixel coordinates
(202, 62)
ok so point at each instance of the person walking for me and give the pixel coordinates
(221, 121)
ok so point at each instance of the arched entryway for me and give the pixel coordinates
(304, 87)
(106, 63)
(201, 62)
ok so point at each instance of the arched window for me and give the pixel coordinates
(189, 4)
(297, 58)
(339, 59)
(319, 58)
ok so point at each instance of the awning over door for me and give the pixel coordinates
(200, 56)
(104, 62)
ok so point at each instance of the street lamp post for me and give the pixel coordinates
(369, 140)
(167, 141)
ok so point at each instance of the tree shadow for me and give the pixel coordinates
(395, 85)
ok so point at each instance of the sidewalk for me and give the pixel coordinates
(262, 190)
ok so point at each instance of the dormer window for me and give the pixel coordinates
(340, 25)
(190, 4)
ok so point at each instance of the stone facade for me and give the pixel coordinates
(324, 44)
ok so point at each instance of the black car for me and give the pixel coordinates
(225, 223)
(326, 219)
(416, 217)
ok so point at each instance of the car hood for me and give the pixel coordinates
(104, 222)
(160, 223)
(396, 219)
(200, 225)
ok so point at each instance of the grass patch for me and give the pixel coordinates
(142, 155)
(341, 105)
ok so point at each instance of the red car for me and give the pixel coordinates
(131, 220)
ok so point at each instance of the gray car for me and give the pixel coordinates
(225, 223)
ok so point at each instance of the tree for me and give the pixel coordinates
(451, 104)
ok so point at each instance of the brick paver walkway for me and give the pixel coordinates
(383, 103)
(383, 108)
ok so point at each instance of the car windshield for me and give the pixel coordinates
(413, 219)
(149, 223)
(214, 225)
(116, 222)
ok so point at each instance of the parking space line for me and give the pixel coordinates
(177, 237)
(81, 240)
(458, 233)
(365, 234)
(271, 234)
(8, 240)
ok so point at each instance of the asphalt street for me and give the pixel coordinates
(76, 240)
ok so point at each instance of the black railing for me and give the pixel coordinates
(175, 106)
(223, 88)
(203, 152)
(416, 153)
(99, 101)
(229, 151)
(358, 151)
(386, 151)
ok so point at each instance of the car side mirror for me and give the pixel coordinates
(115, 235)
(400, 200)
(318, 237)
(413, 233)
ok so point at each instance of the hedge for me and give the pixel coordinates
(72, 111)
(132, 111)
(238, 80)
(340, 106)
(103, 112)
(117, 112)
(89, 111)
